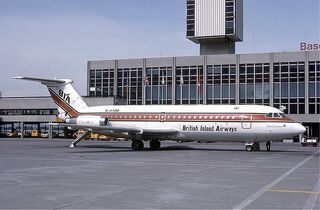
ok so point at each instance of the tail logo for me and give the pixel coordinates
(64, 96)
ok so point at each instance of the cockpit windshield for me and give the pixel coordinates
(283, 115)
(276, 115)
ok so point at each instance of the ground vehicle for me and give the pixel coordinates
(12, 134)
(25, 134)
(306, 141)
(35, 133)
(91, 136)
(44, 135)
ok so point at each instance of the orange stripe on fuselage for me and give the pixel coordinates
(63, 105)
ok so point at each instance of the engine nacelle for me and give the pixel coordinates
(88, 120)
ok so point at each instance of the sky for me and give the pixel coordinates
(56, 38)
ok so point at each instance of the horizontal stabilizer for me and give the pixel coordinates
(66, 97)
(45, 81)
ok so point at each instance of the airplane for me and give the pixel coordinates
(250, 124)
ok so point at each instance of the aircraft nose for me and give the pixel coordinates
(300, 128)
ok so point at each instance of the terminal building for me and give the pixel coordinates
(217, 75)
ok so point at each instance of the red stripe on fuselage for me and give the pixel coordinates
(63, 105)
(185, 117)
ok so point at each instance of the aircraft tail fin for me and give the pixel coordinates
(66, 97)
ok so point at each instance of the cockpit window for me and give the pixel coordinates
(269, 115)
(276, 115)
(283, 115)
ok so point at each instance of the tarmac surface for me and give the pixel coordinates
(46, 174)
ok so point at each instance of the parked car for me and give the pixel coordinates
(310, 141)
(44, 135)
(25, 134)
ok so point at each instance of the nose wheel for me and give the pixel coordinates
(249, 148)
(253, 146)
(268, 145)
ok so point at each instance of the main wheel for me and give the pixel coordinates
(155, 144)
(137, 145)
(249, 148)
(315, 144)
(268, 145)
(304, 144)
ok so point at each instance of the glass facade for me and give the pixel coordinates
(163, 81)
(289, 86)
(190, 17)
(189, 85)
(28, 111)
(230, 16)
(314, 87)
(158, 82)
(221, 84)
(255, 83)
(101, 83)
(129, 83)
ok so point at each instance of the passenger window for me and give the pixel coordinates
(269, 115)
(276, 115)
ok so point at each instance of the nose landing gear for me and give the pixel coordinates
(255, 146)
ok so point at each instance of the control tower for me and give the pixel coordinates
(215, 24)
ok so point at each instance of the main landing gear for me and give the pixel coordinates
(138, 145)
(155, 144)
(256, 146)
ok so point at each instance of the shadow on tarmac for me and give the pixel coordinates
(113, 149)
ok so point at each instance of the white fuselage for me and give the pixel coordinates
(236, 123)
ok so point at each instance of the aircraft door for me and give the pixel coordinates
(162, 117)
(246, 122)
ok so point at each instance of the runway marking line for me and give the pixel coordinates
(269, 186)
(293, 191)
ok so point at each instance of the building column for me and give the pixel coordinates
(88, 78)
(115, 79)
(238, 80)
(144, 69)
(22, 129)
(306, 83)
(204, 83)
(50, 131)
(271, 79)
(173, 93)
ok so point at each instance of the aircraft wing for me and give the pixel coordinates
(113, 129)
